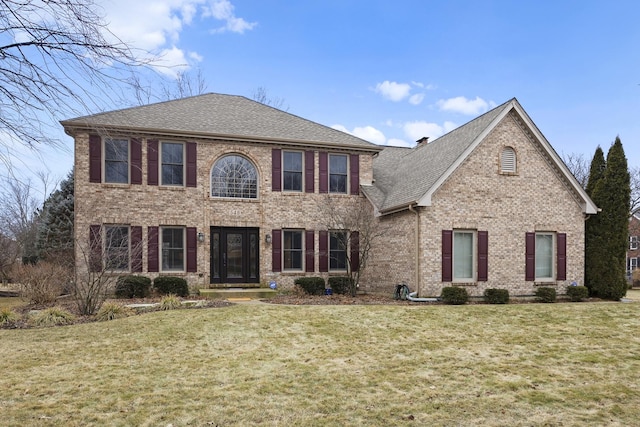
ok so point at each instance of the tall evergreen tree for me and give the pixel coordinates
(55, 233)
(596, 171)
(607, 234)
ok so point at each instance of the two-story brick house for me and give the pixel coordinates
(633, 253)
(224, 191)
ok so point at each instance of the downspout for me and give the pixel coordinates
(417, 249)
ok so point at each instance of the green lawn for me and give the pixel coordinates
(520, 364)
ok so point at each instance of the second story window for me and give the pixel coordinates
(172, 163)
(234, 176)
(292, 170)
(633, 243)
(116, 161)
(337, 173)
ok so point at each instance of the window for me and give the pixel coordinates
(544, 256)
(172, 249)
(463, 256)
(338, 250)
(172, 163)
(633, 243)
(508, 160)
(116, 161)
(292, 249)
(633, 264)
(337, 173)
(234, 176)
(116, 248)
(292, 170)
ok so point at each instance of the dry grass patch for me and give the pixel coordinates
(532, 364)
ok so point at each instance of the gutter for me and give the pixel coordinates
(417, 249)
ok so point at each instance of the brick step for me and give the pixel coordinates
(242, 293)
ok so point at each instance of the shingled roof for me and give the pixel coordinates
(219, 116)
(405, 177)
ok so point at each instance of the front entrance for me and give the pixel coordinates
(235, 255)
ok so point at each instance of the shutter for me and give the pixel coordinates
(153, 256)
(95, 158)
(354, 170)
(152, 162)
(447, 255)
(276, 250)
(323, 172)
(355, 251)
(323, 246)
(483, 256)
(192, 164)
(136, 249)
(530, 257)
(309, 166)
(192, 250)
(95, 248)
(276, 170)
(136, 161)
(561, 255)
(309, 254)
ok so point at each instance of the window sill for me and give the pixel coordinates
(115, 185)
(469, 284)
(172, 187)
(549, 282)
(233, 199)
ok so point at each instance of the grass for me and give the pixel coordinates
(529, 364)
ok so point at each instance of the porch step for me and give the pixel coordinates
(238, 293)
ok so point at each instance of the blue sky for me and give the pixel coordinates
(393, 71)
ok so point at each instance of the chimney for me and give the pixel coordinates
(423, 140)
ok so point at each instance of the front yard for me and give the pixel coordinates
(521, 364)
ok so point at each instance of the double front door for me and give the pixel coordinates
(235, 255)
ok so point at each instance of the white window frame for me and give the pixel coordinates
(284, 170)
(105, 161)
(474, 256)
(162, 163)
(346, 174)
(234, 195)
(553, 257)
(633, 243)
(162, 249)
(107, 248)
(633, 263)
(300, 250)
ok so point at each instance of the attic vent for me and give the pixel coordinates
(508, 160)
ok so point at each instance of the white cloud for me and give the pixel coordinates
(368, 133)
(449, 126)
(395, 142)
(393, 91)
(463, 105)
(223, 11)
(419, 129)
(416, 99)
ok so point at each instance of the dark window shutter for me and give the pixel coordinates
(483, 256)
(354, 171)
(323, 246)
(192, 250)
(447, 255)
(136, 249)
(530, 257)
(136, 161)
(309, 167)
(323, 172)
(276, 250)
(95, 158)
(276, 170)
(153, 256)
(152, 162)
(192, 164)
(355, 251)
(561, 252)
(95, 248)
(309, 254)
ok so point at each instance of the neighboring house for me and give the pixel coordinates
(633, 252)
(225, 191)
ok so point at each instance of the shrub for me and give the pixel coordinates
(111, 311)
(170, 302)
(341, 285)
(8, 317)
(133, 287)
(496, 296)
(166, 285)
(545, 294)
(577, 293)
(454, 295)
(311, 285)
(42, 283)
(53, 316)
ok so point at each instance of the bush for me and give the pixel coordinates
(454, 295)
(341, 285)
(133, 287)
(546, 294)
(53, 316)
(311, 285)
(577, 293)
(111, 311)
(496, 296)
(166, 285)
(42, 283)
(170, 302)
(8, 317)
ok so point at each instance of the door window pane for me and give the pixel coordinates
(234, 255)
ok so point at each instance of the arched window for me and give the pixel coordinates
(508, 160)
(234, 176)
